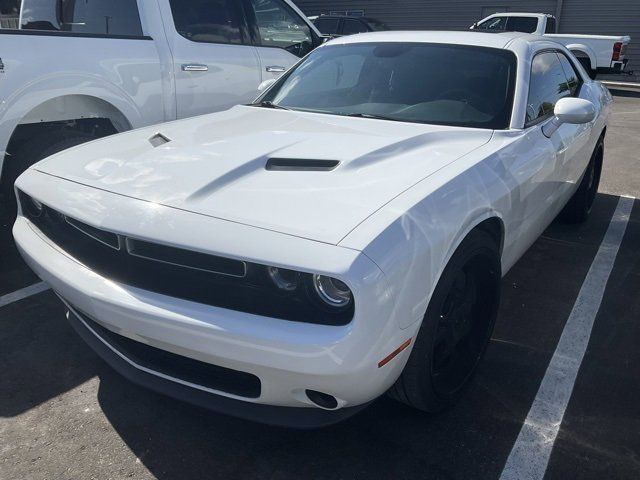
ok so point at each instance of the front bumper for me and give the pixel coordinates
(297, 417)
(288, 357)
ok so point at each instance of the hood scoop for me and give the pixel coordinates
(301, 165)
(158, 139)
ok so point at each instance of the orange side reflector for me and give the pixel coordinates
(393, 354)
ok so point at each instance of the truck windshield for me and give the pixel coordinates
(410, 82)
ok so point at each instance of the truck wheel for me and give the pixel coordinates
(456, 327)
(33, 151)
(579, 206)
(586, 63)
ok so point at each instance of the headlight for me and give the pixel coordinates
(284, 279)
(31, 207)
(331, 291)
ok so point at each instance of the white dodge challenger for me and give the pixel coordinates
(291, 260)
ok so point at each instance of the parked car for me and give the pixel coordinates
(95, 68)
(338, 25)
(596, 53)
(291, 260)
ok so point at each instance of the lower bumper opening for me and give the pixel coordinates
(179, 367)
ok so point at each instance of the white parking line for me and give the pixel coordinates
(23, 293)
(530, 455)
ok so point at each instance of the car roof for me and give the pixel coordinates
(476, 38)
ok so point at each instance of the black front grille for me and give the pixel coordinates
(180, 273)
(183, 368)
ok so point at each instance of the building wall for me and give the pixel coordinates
(610, 17)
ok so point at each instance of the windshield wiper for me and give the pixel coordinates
(373, 115)
(269, 104)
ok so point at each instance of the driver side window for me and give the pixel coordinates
(279, 27)
(547, 85)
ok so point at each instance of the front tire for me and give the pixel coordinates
(456, 327)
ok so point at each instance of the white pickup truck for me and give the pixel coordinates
(74, 71)
(597, 53)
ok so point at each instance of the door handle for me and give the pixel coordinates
(194, 67)
(276, 69)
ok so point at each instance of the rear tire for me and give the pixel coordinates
(586, 64)
(456, 327)
(32, 152)
(579, 206)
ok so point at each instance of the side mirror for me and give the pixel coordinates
(266, 84)
(474, 26)
(570, 110)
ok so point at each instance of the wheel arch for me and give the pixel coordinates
(60, 109)
(580, 50)
(489, 222)
(74, 107)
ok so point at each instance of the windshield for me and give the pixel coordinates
(412, 82)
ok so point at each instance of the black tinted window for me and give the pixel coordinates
(522, 24)
(495, 24)
(9, 13)
(548, 84)
(551, 25)
(573, 79)
(279, 26)
(377, 25)
(106, 17)
(411, 82)
(352, 26)
(327, 26)
(212, 21)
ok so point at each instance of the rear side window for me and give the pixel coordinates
(327, 26)
(279, 26)
(551, 25)
(353, 26)
(495, 24)
(209, 21)
(547, 85)
(522, 24)
(102, 17)
(573, 79)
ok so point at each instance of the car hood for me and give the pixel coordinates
(215, 165)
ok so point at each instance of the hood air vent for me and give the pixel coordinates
(301, 164)
(158, 139)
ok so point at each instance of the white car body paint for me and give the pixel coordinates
(385, 221)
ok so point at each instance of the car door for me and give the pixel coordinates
(280, 34)
(575, 138)
(539, 167)
(215, 66)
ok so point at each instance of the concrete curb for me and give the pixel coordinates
(626, 85)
